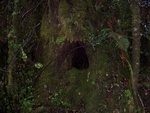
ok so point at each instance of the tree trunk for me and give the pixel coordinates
(75, 74)
(72, 64)
(13, 42)
(136, 21)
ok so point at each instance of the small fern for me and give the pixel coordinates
(123, 43)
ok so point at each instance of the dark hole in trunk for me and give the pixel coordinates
(79, 59)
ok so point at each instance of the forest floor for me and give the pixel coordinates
(144, 92)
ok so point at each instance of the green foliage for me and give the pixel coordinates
(38, 65)
(123, 43)
(27, 106)
(26, 95)
(60, 40)
(23, 55)
(12, 41)
(26, 103)
(128, 96)
(59, 100)
(22, 95)
(25, 92)
(98, 38)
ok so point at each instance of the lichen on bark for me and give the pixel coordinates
(72, 17)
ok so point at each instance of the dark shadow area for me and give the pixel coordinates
(79, 58)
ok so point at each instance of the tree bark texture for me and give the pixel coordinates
(136, 21)
(88, 84)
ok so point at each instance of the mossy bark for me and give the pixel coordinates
(86, 89)
(94, 89)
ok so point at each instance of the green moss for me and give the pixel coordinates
(81, 85)
(75, 85)
(72, 19)
(48, 31)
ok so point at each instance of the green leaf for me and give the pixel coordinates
(38, 65)
(123, 43)
(128, 96)
(24, 56)
(128, 93)
(60, 40)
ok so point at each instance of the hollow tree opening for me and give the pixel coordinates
(79, 57)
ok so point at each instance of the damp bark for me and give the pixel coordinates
(73, 54)
(77, 73)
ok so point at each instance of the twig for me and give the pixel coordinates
(18, 51)
(141, 103)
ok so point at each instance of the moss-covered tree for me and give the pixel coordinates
(70, 56)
